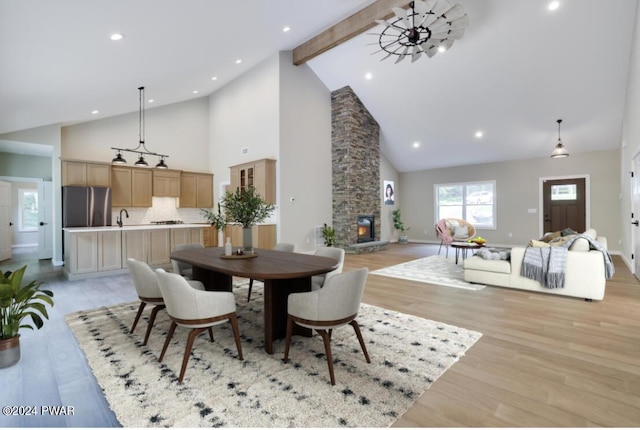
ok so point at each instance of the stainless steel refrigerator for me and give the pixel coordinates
(86, 206)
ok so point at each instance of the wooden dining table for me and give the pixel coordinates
(283, 273)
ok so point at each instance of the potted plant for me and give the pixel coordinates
(217, 220)
(329, 235)
(17, 302)
(399, 225)
(245, 206)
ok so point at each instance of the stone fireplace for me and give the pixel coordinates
(365, 227)
(355, 154)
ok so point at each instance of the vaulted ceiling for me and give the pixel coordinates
(518, 68)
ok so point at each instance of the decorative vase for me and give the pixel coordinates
(9, 351)
(220, 238)
(403, 238)
(247, 240)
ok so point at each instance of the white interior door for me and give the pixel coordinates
(635, 191)
(45, 226)
(5, 221)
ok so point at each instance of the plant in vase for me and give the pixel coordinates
(329, 235)
(217, 221)
(246, 207)
(17, 302)
(399, 225)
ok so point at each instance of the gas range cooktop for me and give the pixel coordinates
(168, 222)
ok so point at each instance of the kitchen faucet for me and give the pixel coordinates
(119, 218)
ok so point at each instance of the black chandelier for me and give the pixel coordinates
(428, 27)
(141, 149)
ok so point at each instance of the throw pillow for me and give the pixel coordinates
(538, 244)
(568, 232)
(461, 232)
(550, 236)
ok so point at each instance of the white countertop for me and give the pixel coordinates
(133, 227)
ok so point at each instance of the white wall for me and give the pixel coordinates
(389, 173)
(630, 145)
(305, 154)
(244, 114)
(517, 188)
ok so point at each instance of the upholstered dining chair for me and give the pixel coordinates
(146, 284)
(180, 268)
(334, 305)
(284, 247)
(337, 254)
(197, 310)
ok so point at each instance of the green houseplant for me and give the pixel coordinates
(18, 302)
(217, 221)
(329, 235)
(246, 207)
(399, 225)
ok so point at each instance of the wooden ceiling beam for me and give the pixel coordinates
(346, 29)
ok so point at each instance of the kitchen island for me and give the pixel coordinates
(103, 251)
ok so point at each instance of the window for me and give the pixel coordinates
(28, 210)
(472, 201)
(564, 192)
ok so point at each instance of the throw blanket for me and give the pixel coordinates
(493, 254)
(609, 270)
(545, 265)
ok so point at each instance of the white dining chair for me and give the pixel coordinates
(196, 310)
(181, 268)
(284, 247)
(334, 305)
(337, 254)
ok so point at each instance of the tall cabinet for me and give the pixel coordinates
(260, 174)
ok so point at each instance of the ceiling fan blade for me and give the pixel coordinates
(446, 44)
(439, 25)
(457, 11)
(432, 51)
(404, 54)
(440, 8)
(440, 35)
(460, 22)
(402, 15)
(456, 34)
(417, 52)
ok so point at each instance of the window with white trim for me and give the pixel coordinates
(28, 210)
(471, 201)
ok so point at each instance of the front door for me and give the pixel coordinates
(564, 204)
(5, 221)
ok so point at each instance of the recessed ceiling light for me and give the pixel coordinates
(441, 49)
(195, 91)
(554, 5)
(368, 76)
(116, 36)
(286, 29)
(150, 100)
(95, 112)
(416, 144)
(238, 61)
(215, 78)
(479, 134)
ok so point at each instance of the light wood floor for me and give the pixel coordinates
(543, 360)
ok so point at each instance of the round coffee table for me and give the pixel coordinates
(464, 247)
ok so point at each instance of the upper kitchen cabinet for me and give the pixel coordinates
(131, 187)
(166, 183)
(85, 174)
(196, 190)
(260, 174)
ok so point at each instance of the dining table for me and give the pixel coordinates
(283, 273)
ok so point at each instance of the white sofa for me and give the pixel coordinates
(584, 276)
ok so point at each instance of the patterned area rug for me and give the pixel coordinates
(436, 269)
(408, 354)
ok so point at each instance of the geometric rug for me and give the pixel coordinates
(407, 355)
(436, 269)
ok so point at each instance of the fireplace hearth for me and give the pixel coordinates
(366, 228)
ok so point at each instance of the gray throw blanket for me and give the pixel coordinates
(545, 265)
(609, 270)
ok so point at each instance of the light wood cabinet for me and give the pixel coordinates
(131, 187)
(158, 246)
(166, 183)
(264, 235)
(196, 190)
(109, 250)
(81, 255)
(180, 236)
(210, 237)
(134, 245)
(86, 174)
(260, 174)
